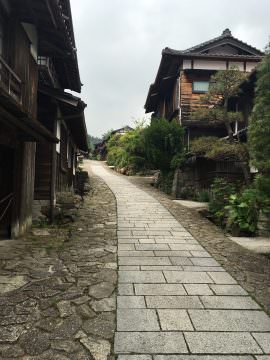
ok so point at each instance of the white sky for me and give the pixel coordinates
(120, 42)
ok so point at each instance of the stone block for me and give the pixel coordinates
(187, 247)
(198, 289)
(221, 343)
(228, 290)
(125, 289)
(130, 302)
(187, 277)
(230, 320)
(222, 278)
(177, 253)
(180, 261)
(203, 268)
(150, 343)
(144, 261)
(171, 320)
(129, 253)
(229, 302)
(204, 261)
(141, 277)
(159, 289)
(173, 302)
(152, 247)
(137, 320)
(263, 339)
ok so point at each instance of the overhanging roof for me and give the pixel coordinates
(53, 20)
(72, 108)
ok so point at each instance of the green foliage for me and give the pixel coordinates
(225, 83)
(203, 196)
(107, 134)
(237, 209)
(242, 212)
(259, 127)
(216, 149)
(127, 150)
(164, 147)
(216, 115)
(92, 141)
(221, 191)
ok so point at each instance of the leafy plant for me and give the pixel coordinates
(223, 86)
(242, 212)
(221, 191)
(164, 147)
(203, 196)
(216, 149)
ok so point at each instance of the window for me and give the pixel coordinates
(200, 86)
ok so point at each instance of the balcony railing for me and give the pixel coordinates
(10, 82)
(47, 70)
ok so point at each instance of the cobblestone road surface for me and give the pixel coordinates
(175, 302)
(57, 292)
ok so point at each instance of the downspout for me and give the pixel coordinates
(179, 97)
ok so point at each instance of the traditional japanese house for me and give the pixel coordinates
(30, 31)
(181, 83)
(183, 79)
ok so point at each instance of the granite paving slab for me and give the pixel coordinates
(175, 301)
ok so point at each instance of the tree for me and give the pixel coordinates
(92, 141)
(259, 127)
(164, 147)
(259, 130)
(223, 86)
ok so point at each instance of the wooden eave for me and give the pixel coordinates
(72, 109)
(56, 35)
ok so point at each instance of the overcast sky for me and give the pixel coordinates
(120, 42)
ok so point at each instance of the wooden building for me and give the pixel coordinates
(183, 79)
(31, 31)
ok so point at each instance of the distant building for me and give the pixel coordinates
(181, 83)
(183, 79)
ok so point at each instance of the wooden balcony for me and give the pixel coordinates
(10, 82)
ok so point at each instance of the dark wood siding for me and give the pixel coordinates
(43, 171)
(190, 101)
(26, 68)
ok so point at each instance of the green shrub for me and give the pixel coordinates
(203, 196)
(164, 147)
(127, 150)
(216, 149)
(221, 191)
(242, 212)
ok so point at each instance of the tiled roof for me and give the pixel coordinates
(225, 35)
(170, 51)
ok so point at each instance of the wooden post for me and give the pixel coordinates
(53, 173)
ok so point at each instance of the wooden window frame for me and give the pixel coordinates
(200, 91)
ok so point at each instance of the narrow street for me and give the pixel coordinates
(173, 297)
(59, 298)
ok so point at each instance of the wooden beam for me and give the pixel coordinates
(51, 13)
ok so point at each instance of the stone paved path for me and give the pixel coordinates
(175, 302)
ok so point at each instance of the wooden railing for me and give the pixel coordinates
(10, 82)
